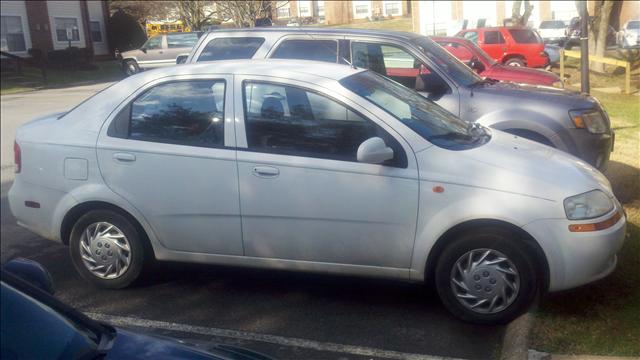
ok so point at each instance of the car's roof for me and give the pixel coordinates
(319, 30)
(292, 69)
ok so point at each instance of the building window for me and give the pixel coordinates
(12, 35)
(62, 24)
(304, 11)
(392, 9)
(283, 12)
(362, 10)
(96, 34)
(320, 8)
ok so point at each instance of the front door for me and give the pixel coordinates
(303, 194)
(153, 53)
(169, 153)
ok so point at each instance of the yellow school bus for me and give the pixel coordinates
(163, 27)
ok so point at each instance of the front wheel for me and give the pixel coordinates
(486, 277)
(130, 67)
(106, 249)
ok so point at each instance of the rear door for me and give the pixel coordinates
(169, 152)
(493, 43)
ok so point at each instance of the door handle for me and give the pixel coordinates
(124, 157)
(265, 171)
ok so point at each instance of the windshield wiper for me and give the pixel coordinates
(450, 136)
(485, 81)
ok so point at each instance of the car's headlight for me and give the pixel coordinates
(593, 120)
(589, 205)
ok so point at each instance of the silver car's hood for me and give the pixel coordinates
(513, 164)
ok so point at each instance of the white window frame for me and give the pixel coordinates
(359, 3)
(398, 4)
(24, 38)
(99, 29)
(55, 29)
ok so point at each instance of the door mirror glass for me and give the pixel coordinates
(144, 50)
(432, 84)
(476, 65)
(31, 272)
(374, 151)
(181, 59)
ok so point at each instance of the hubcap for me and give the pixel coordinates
(105, 250)
(485, 281)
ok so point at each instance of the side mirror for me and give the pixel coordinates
(476, 65)
(144, 50)
(374, 151)
(181, 59)
(31, 272)
(432, 85)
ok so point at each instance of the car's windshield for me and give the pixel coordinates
(633, 25)
(556, 24)
(429, 120)
(448, 63)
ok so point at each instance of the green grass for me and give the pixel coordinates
(604, 318)
(31, 78)
(399, 24)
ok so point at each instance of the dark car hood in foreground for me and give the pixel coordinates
(521, 75)
(134, 345)
(550, 96)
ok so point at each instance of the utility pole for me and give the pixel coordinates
(584, 48)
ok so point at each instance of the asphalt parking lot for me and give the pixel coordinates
(285, 315)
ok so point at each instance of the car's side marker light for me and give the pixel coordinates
(32, 204)
(438, 189)
(605, 224)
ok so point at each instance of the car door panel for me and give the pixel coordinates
(188, 194)
(325, 210)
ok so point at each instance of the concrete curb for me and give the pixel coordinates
(515, 345)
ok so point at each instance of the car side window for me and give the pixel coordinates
(393, 62)
(471, 36)
(181, 40)
(318, 50)
(231, 48)
(289, 120)
(180, 112)
(493, 37)
(525, 36)
(154, 43)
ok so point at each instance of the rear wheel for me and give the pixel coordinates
(130, 67)
(515, 61)
(106, 249)
(486, 277)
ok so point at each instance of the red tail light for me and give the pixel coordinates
(17, 156)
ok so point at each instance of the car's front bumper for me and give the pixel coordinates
(594, 148)
(578, 258)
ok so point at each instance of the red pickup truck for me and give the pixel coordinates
(470, 54)
(509, 45)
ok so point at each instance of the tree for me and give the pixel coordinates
(598, 29)
(196, 14)
(245, 12)
(141, 10)
(125, 32)
(516, 17)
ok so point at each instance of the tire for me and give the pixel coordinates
(130, 67)
(515, 61)
(485, 278)
(103, 250)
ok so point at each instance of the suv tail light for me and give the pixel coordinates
(17, 157)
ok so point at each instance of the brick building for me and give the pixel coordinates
(340, 12)
(43, 25)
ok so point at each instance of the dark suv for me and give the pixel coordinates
(569, 121)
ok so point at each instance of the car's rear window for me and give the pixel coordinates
(525, 36)
(231, 48)
(633, 25)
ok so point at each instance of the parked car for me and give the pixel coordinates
(509, 45)
(312, 166)
(574, 31)
(158, 51)
(36, 325)
(553, 53)
(553, 31)
(470, 54)
(629, 34)
(538, 114)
